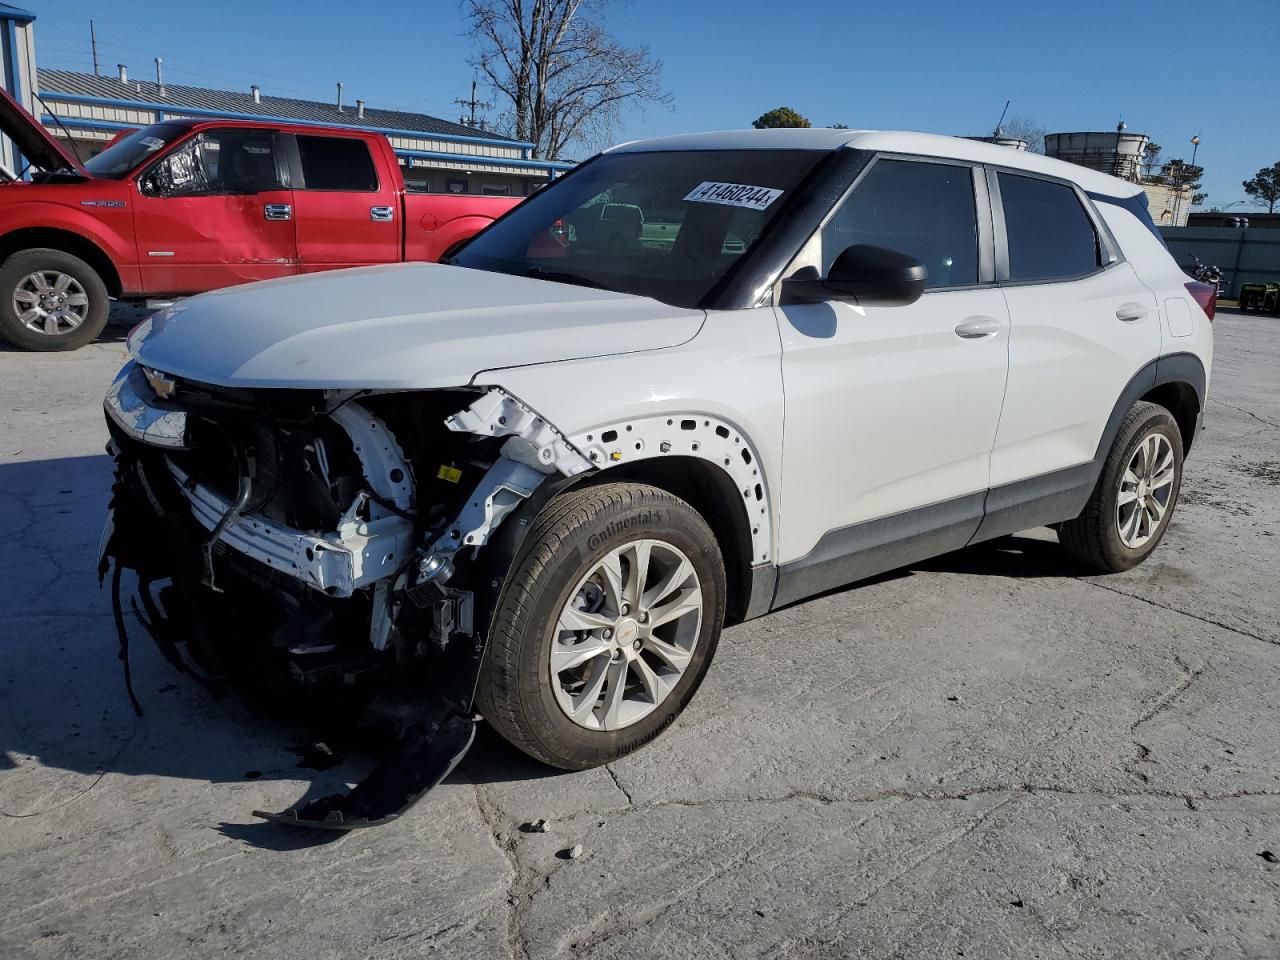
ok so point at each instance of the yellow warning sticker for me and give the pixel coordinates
(452, 474)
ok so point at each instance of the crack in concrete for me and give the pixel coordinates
(618, 783)
(1247, 413)
(502, 832)
(1164, 606)
(1165, 700)
(979, 790)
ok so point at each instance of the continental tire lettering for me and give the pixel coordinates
(622, 525)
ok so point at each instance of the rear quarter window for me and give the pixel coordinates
(1050, 235)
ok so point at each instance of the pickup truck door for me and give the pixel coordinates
(891, 412)
(213, 212)
(347, 202)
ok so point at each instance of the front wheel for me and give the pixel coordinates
(1133, 501)
(607, 626)
(51, 300)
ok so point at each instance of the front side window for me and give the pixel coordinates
(337, 163)
(925, 210)
(667, 225)
(1050, 235)
(217, 163)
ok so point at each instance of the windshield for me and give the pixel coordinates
(125, 154)
(666, 225)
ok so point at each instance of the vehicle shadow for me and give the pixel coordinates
(1017, 556)
(66, 721)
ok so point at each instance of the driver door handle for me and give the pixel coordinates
(278, 211)
(1129, 312)
(977, 328)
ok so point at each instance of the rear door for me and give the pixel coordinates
(1081, 326)
(347, 210)
(213, 212)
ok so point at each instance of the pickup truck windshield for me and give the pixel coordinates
(125, 154)
(666, 225)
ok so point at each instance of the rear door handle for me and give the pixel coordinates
(1129, 312)
(278, 211)
(381, 214)
(976, 328)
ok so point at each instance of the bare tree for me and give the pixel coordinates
(1024, 128)
(562, 77)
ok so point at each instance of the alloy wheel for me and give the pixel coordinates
(626, 635)
(1146, 490)
(50, 302)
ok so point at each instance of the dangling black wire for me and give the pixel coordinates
(117, 611)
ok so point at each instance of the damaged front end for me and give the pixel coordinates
(321, 552)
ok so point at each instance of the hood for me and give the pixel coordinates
(32, 140)
(395, 327)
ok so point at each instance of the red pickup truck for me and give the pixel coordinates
(185, 206)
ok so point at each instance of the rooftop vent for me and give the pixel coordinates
(360, 109)
(339, 96)
(124, 72)
(257, 94)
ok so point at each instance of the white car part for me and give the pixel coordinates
(380, 456)
(498, 414)
(533, 451)
(691, 435)
(355, 555)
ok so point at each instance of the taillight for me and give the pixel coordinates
(1205, 294)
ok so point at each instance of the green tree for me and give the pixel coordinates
(780, 117)
(1184, 176)
(1264, 188)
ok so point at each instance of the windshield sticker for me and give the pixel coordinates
(152, 143)
(733, 195)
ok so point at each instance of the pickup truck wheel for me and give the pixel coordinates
(51, 300)
(1133, 501)
(607, 626)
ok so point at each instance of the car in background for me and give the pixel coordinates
(185, 206)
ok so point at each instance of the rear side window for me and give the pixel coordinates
(337, 163)
(1050, 235)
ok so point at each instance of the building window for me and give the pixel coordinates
(456, 186)
(496, 189)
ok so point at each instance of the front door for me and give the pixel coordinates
(215, 212)
(347, 215)
(891, 412)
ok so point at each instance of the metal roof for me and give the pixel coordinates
(179, 96)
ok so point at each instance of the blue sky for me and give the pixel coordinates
(943, 67)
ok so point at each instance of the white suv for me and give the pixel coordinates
(695, 380)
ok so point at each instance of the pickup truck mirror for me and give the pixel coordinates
(863, 274)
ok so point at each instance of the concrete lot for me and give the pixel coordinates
(987, 755)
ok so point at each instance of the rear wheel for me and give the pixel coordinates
(1133, 501)
(608, 624)
(51, 300)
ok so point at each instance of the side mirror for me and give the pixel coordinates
(865, 275)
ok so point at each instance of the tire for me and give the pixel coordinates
(1100, 537)
(518, 693)
(83, 312)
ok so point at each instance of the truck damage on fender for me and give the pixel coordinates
(327, 545)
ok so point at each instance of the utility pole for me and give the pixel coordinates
(474, 105)
(93, 45)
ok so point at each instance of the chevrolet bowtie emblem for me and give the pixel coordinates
(165, 387)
